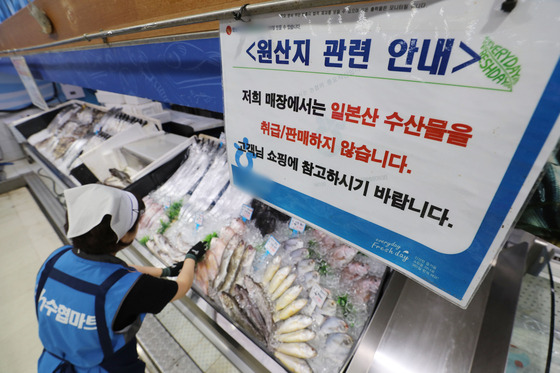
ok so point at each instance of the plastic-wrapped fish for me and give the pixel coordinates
(277, 279)
(306, 265)
(303, 335)
(294, 364)
(288, 297)
(288, 281)
(301, 350)
(165, 246)
(271, 270)
(341, 256)
(338, 345)
(290, 310)
(333, 325)
(294, 323)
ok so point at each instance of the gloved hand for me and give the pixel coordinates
(172, 271)
(197, 251)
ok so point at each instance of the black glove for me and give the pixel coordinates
(172, 271)
(197, 251)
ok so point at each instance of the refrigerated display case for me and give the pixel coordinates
(405, 326)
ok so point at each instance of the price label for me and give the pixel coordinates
(246, 212)
(272, 245)
(297, 225)
(318, 295)
(198, 221)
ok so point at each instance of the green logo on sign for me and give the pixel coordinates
(499, 64)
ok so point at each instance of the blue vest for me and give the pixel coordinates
(76, 301)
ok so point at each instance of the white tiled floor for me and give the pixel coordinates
(26, 239)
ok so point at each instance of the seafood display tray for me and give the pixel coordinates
(233, 341)
(71, 171)
(216, 308)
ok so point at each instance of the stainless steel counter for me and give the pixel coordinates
(414, 330)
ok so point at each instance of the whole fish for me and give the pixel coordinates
(309, 309)
(333, 325)
(226, 256)
(366, 287)
(299, 254)
(303, 335)
(338, 344)
(353, 272)
(248, 308)
(277, 279)
(294, 323)
(341, 255)
(163, 244)
(311, 278)
(271, 270)
(329, 307)
(246, 264)
(294, 364)
(211, 264)
(288, 281)
(238, 226)
(226, 234)
(301, 350)
(290, 310)
(257, 294)
(232, 309)
(288, 297)
(292, 244)
(217, 247)
(306, 265)
(121, 175)
(233, 266)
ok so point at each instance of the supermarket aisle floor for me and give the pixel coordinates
(27, 239)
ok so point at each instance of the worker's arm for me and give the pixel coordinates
(171, 271)
(152, 271)
(186, 276)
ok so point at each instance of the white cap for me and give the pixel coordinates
(88, 204)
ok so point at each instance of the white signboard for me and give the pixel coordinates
(413, 130)
(29, 82)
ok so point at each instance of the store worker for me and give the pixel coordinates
(89, 303)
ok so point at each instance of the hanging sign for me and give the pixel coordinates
(29, 82)
(413, 130)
